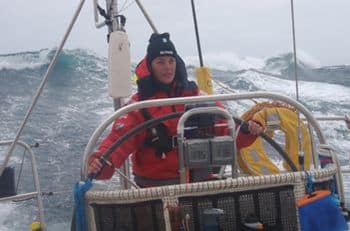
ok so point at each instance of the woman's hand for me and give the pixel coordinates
(255, 128)
(95, 167)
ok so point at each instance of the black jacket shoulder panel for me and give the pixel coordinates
(181, 72)
(145, 87)
(191, 86)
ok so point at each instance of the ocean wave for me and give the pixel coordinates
(226, 61)
(24, 60)
(319, 90)
(229, 61)
(75, 101)
(280, 65)
(76, 58)
(281, 62)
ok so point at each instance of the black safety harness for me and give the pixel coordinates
(158, 138)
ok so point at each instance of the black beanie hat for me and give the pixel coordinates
(160, 45)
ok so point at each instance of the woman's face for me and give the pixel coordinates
(163, 69)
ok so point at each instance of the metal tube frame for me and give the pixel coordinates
(212, 98)
(37, 193)
(181, 136)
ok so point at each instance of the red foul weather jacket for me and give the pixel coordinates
(145, 163)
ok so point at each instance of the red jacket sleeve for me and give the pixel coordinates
(243, 140)
(120, 127)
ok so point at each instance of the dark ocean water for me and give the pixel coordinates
(75, 102)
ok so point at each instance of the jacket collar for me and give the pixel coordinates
(148, 85)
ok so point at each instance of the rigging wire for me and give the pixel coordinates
(296, 83)
(20, 170)
(294, 51)
(125, 6)
(147, 17)
(197, 34)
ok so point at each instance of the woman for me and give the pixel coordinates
(161, 74)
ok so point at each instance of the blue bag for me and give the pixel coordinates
(318, 211)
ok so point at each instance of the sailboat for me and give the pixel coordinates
(250, 191)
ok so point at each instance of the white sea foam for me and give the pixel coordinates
(317, 90)
(302, 57)
(226, 61)
(25, 60)
(282, 61)
(308, 59)
(5, 211)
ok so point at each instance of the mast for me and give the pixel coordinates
(119, 60)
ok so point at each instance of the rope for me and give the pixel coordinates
(80, 189)
(309, 184)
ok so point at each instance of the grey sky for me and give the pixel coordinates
(246, 28)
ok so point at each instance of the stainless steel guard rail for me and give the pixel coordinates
(36, 194)
(212, 98)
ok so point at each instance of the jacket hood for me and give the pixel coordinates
(148, 85)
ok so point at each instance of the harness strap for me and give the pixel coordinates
(158, 138)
